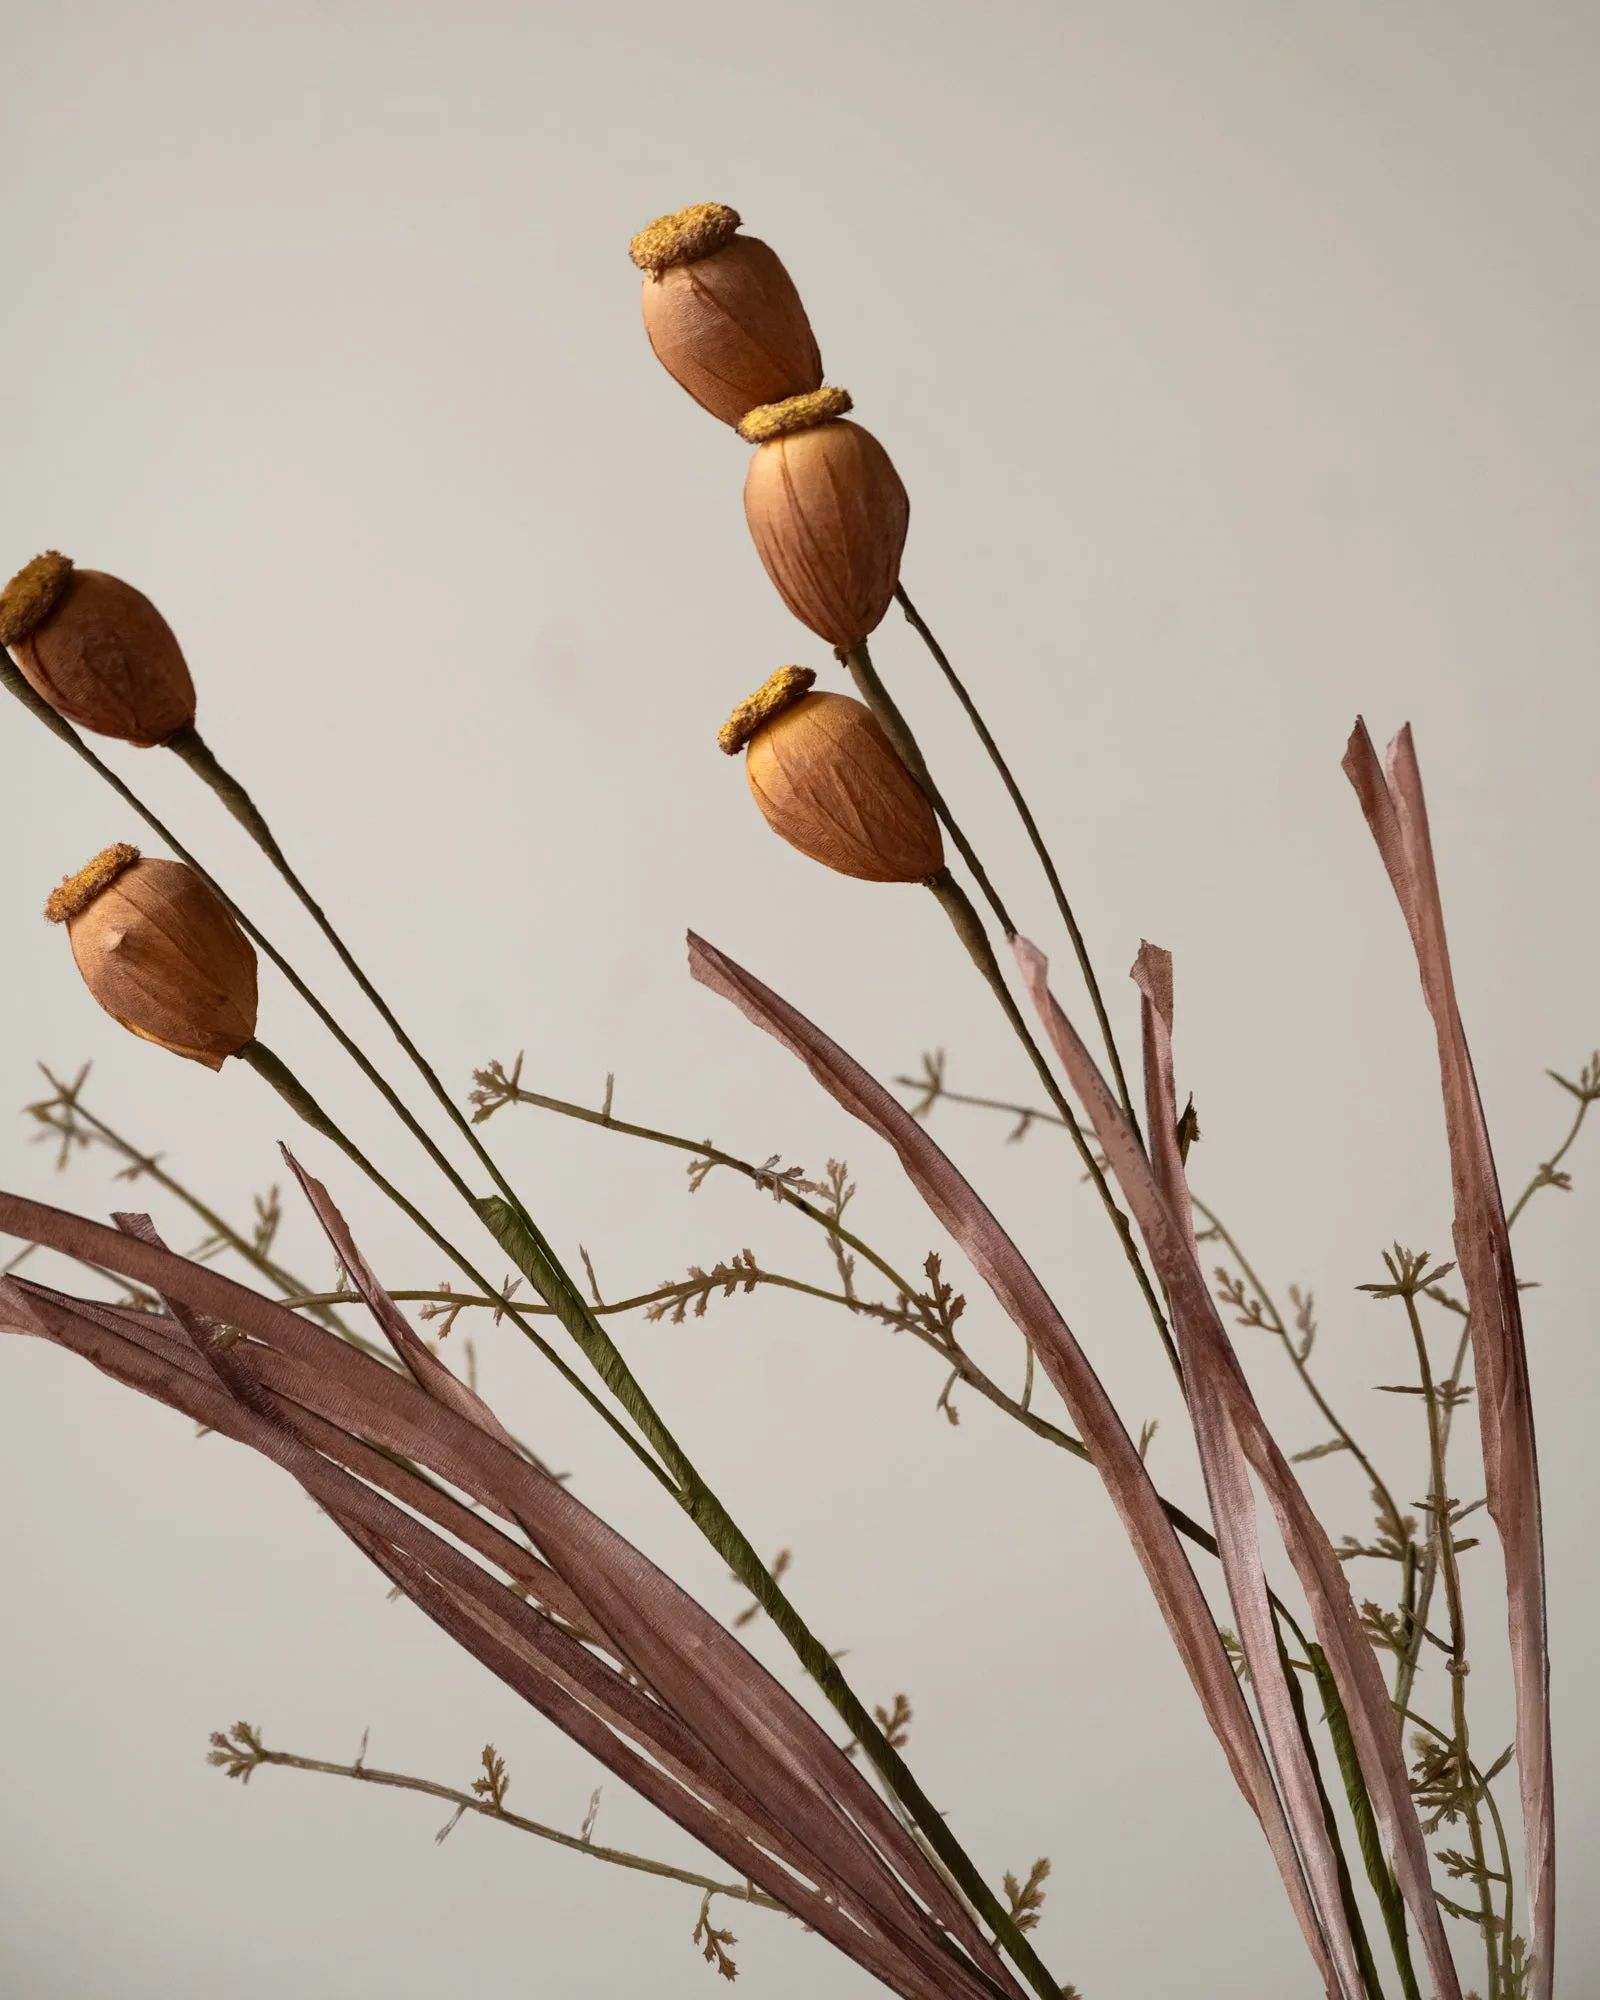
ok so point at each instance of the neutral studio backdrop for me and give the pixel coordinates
(1240, 363)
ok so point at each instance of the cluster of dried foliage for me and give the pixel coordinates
(336, 1386)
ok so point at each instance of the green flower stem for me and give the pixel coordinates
(857, 662)
(539, 1264)
(968, 926)
(1085, 965)
(272, 1070)
(1390, 1902)
(698, 1501)
(191, 747)
(1347, 1894)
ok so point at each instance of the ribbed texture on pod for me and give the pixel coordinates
(162, 955)
(731, 330)
(828, 516)
(106, 659)
(827, 781)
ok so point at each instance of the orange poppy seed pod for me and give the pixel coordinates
(827, 513)
(828, 782)
(160, 953)
(722, 313)
(97, 650)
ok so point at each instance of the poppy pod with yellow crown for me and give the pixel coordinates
(722, 313)
(97, 650)
(160, 953)
(828, 781)
(827, 513)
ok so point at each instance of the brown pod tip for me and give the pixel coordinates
(682, 238)
(778, 692)
(78, 891)
(794, 413)
(32, 594)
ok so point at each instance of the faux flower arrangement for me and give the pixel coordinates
(418, 1471)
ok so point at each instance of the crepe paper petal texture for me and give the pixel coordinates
(1215, 1368)
(727, 1752)
(1006, 1272)
(1392, 799)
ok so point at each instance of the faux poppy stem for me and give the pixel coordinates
(1031, 826)
(703, 1507)
(968, 926)
(274, 1071)
(857, 662)
(545, 1271)
(198, 755)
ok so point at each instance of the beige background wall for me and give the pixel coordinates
(1240, 362)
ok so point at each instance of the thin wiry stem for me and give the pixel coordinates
(1543, 1176)
(539, 1263)
(678, 1475)
(272, 1070)
(1441, 1514)
(469, 1802)
(500, 1090)
(197, 754)
(69, 1102)
(968, 927)
(1275, 1321)
(1031, 826)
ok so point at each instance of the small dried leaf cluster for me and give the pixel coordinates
(1027, 1898)
(495, 1781)
(238, 1751)
(715, 1943)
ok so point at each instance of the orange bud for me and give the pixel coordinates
(722, 313)
(828, 781)
(160, 953)
(828, 516)
(97, 650)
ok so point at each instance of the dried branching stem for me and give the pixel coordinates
(241, 1753)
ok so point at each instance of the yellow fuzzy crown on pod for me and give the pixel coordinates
(32, 594)
(681, 238)
(795, 413)
(78, 891)
(778, 692)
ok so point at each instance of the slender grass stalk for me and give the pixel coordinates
(272, 1070)
(252, 1754)
(1442, 1524)
(191, 747)
(968, 926)
(1386, 1499)
(1031, 826)
(147, 1166)
(683, 1481)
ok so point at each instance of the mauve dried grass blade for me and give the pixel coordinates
(425, 1367)
(764, 1740)
(783, 1752)
(1350, 1657)
(1232, 1496)
(1397, 813)
(1003, 1268)
(502, 1633)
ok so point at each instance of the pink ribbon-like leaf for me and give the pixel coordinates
(1392, 799)
(1212, 1369)
(1004, 1269)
